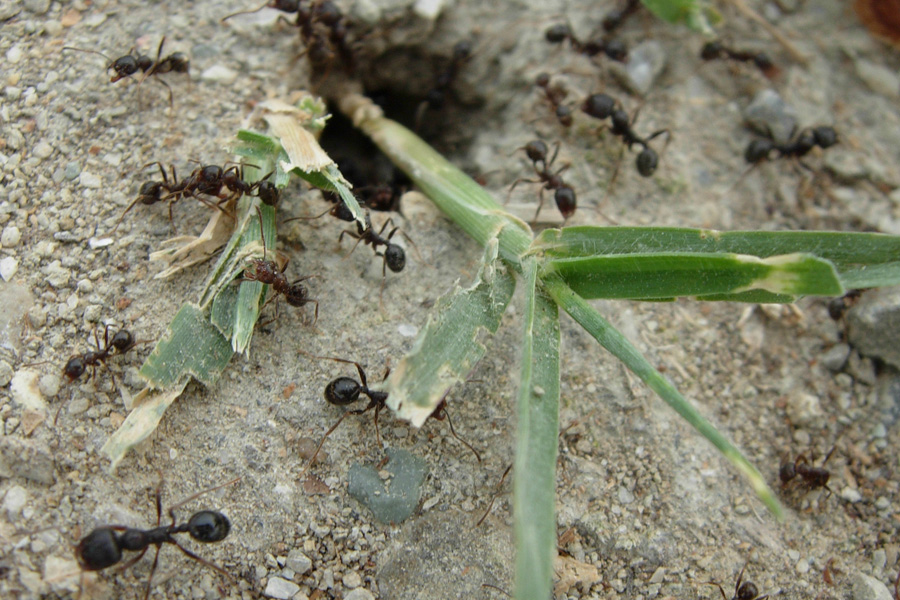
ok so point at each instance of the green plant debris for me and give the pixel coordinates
(191, 346)
(451, 342)
(698, 15)
(658, 275)
(537, 430)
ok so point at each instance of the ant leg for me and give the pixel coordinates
(377, 431)
(540, 206)
(740, 579)
(552, 158)
(133, 561)
(322, 441)
(200, 493)
(358, 239)
(203, 561)
(446, 414)
(316, 316)
(494, 497)
(169, 88)
(517, 182)
(152, 571)
(244, 12)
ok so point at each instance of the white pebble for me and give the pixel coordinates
(407, 330)
(89, 180)
(8, 267)
(219, 74)
(351, 580)
(10, 237)
(25, 390)
(95, 243)
(15, 500)
(280, 588)
(14, 54)
(851, 495)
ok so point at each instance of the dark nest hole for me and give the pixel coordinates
(424, 89)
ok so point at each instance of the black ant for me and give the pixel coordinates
(562, 193)
(812, 478)
(103, 547)
(555, 96)
(603, 106)
(394, 256)
(436, 97)
(267, 272)
(823, 136)
(717, 50)
(126, 66)
(122, 341)
(742, 591)
(346, 390)
(837, 307)
(616, 17)
(613, 49)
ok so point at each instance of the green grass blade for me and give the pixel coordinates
(860, 259)
(451, 342)
(537, 431)
(698, 15)
(665, 275)
(611, 339)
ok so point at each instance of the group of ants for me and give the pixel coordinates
(323, 30)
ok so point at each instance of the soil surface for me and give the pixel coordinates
(646, 507)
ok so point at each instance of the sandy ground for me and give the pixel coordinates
(646, 507)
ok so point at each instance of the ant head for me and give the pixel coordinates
(268, 193)
(763, 62)
(565, 201)
(74, 369)
(599, 106)
(711, 50)
(805, 141)
(98, 549)
(179, 62)
(394, 258)
(328, 13)
(150, 192)
(341, 211)
(124, 66)
(825, 136)
(542, 80)
(836, 308)
(462, 50)
(208, 526)
(787, 472)
(747, 591)
(288, 6)
(647, 161)
(758, 150)
(342, 391)
(210, 173)
(122, 340)
(556, 34)
(616, 50)
(536, 150)
(564, 115)
(296, 295)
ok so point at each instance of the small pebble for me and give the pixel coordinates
(38, 7)
(298, 562)
(407, 330)
(882, 503)
(281, 588)
(769, 115)
(219, 74)
(14, 54)
(6, 373)
(42, 150)
(879, 78)
(73, 169)
(646, 62)
(866, 587)
(351, 580)
(835, 357)
(9, 265)
(89, 180)
(10, 237)
(15, 500)
(359, 594)
(851, 495)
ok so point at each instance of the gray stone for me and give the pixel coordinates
(879, 78)
(25, 458)
(398, 501)
(874, 324)
(359, 594)
(6, 373)
(14, 501)
(769, 115)
(865, 587)
(804, 410)
(10, 237)
(298, 562)
(646, 62)
(9, 9)
(351, 580)
(835, 357)
(280, 588)
(38, 7)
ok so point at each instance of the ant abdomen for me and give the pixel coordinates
(758, 150)
(825, 136)
(646, 162)
(565, 201)
(395, 258)
(208, 526)
(342, 391)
